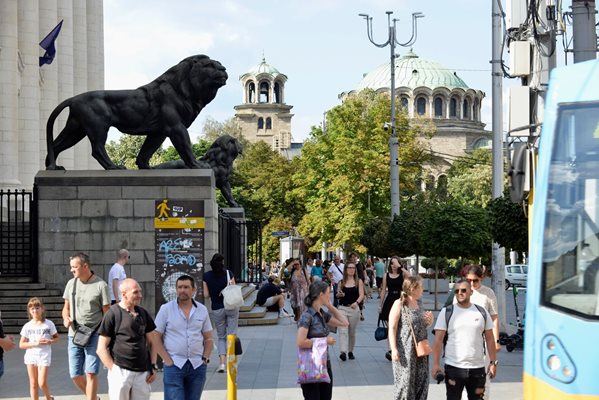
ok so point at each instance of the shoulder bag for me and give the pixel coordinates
(381, 332)
(232, 296)
(83, 334)
(312, 363)
(423, 347)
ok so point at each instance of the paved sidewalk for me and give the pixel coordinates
(267, 369)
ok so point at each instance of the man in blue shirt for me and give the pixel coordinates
(184, 326)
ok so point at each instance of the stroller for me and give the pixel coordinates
(515, 341)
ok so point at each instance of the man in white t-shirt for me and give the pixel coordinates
(117, 275)
(470, 334)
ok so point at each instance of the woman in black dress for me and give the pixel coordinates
(392, 283)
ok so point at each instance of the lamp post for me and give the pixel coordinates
(393, 142)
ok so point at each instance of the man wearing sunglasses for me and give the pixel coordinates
(469, 336)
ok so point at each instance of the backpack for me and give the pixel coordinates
(449, 313)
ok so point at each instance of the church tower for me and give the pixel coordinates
(264, 115)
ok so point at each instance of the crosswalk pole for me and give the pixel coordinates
(231, 368)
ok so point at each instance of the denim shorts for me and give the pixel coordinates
(83, 360)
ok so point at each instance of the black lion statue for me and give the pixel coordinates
(163, 108)
(219, 157)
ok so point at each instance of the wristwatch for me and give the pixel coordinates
(493, 362)
(155, 367)
(206, 360)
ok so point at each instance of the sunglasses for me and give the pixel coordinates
(463, 290)
(473, 280)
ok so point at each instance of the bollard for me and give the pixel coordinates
(233, 350)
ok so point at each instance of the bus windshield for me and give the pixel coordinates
(571, 236)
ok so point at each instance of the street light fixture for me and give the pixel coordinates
(393, 142)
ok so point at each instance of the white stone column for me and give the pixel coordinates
(48, 75)
(95, 54)
(64, 59)
(83, 148)
(29, 92)
(9, 138)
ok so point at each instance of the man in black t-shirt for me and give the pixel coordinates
(126, 336)
(272, 297)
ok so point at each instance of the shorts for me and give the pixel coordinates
(270, 301)
(83, 360)
(379, 282)
(39, 358)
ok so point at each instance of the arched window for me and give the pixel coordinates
(404, 102)
(260, 123)
(438, 107)
(264, 92)
(453, 108)
(421, 105)
(277, 93)
(475, 111)
(466, 109)
(442, 186)
(430, 183)
(251, 94)
(268, 123)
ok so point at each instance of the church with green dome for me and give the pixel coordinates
(426, 89)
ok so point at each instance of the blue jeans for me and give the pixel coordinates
(184, 383)
(83, 360)
(1, 368)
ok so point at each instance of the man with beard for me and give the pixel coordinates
(184, 326)
(468, 327)
(126, 335)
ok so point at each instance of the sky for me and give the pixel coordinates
(321, 45)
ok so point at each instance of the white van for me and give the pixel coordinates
(515, 275)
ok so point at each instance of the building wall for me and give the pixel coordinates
(247, 116)
(29, 93)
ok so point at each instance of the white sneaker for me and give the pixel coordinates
(284, 314)
(221, 368)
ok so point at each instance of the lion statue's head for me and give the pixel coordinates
(196, 78)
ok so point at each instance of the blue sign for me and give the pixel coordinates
(280, 233)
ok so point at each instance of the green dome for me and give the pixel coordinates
(262, 68)
(412, 71)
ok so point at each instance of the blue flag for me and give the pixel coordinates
(48, 44)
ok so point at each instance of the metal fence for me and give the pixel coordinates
(18, 234)
(240, 242)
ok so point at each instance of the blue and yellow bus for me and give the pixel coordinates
(561, 350)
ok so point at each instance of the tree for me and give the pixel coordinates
(125, 151)
(343, 174)
(455, 230)
(213, 129)
(375, 237)
(407, 232)
(199, 149)
(271, 244)
(509, 224)
(471, 180)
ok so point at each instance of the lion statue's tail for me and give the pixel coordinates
(50, 158)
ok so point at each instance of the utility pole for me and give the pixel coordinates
(583, 30)
(393, 141)
(498, 255)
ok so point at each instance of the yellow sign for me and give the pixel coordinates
(180, 223)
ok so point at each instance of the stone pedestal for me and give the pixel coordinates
(100, 212)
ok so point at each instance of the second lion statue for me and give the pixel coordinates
(163, 108)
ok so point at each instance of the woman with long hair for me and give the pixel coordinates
(314, 323)
(350, 294)
(298, 287)
(392, 283)
(224, 320)
(408, 323)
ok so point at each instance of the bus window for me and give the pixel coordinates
(571, 237)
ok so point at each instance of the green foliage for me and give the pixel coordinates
(509, 224)
(437, 263)
(262, 183)
(456, 230)
(375, 237)
(199, 149)
(343, 174)
(212, 129)
(271, 244)
(471, 179)
(407, 232)
(125, 151)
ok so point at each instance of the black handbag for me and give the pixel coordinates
(382, 331)
(83, 334)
